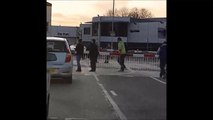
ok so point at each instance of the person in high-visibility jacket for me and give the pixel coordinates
(122, 53)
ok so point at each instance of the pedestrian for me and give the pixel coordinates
(107, 56)
(120, 64)
(93, 55)
(122, 53)
(79, 54)
(162, 52)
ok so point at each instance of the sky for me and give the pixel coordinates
(74, 12)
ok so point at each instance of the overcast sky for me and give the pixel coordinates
(73, 12)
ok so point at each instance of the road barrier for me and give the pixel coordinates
(149, 62)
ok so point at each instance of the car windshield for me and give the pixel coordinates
(56, 46)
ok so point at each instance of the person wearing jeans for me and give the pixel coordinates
(79, 53)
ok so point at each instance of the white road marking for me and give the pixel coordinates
(114, 105)
(113, 93)
(157, 80)
(96, 77)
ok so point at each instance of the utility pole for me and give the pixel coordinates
(147, 42)
(112, 33)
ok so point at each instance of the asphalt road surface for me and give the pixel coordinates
(116, 96)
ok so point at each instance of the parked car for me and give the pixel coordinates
(48, 91)
(50, 57)
(63, 66)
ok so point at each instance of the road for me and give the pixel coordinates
(109, 95)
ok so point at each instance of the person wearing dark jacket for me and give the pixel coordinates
(162, 52)
(93, 55)
(79, 53)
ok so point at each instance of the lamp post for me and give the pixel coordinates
(99, 30)
(147, 40)
(112, 33)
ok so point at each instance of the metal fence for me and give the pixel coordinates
(133, 62)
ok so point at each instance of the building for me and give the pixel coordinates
(49, 15)
(68, 32)
(142, 34)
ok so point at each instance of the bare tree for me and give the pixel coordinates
(123, 12)
(110, 12)
(144, 13)
(134, 13)
(116, 13)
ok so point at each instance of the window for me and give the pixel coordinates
(162, 33)
(56, 46)
(120, 28)
(94, 29)
(106, 28)
(86, 31)
(134, 30)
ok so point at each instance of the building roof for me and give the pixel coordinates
(148, 20)
(110, 18)
(49, 4)
(124, 19)
(89, 22)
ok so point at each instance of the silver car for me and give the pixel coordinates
(50, 57)
(62, 67)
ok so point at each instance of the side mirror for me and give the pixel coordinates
(51, 57)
